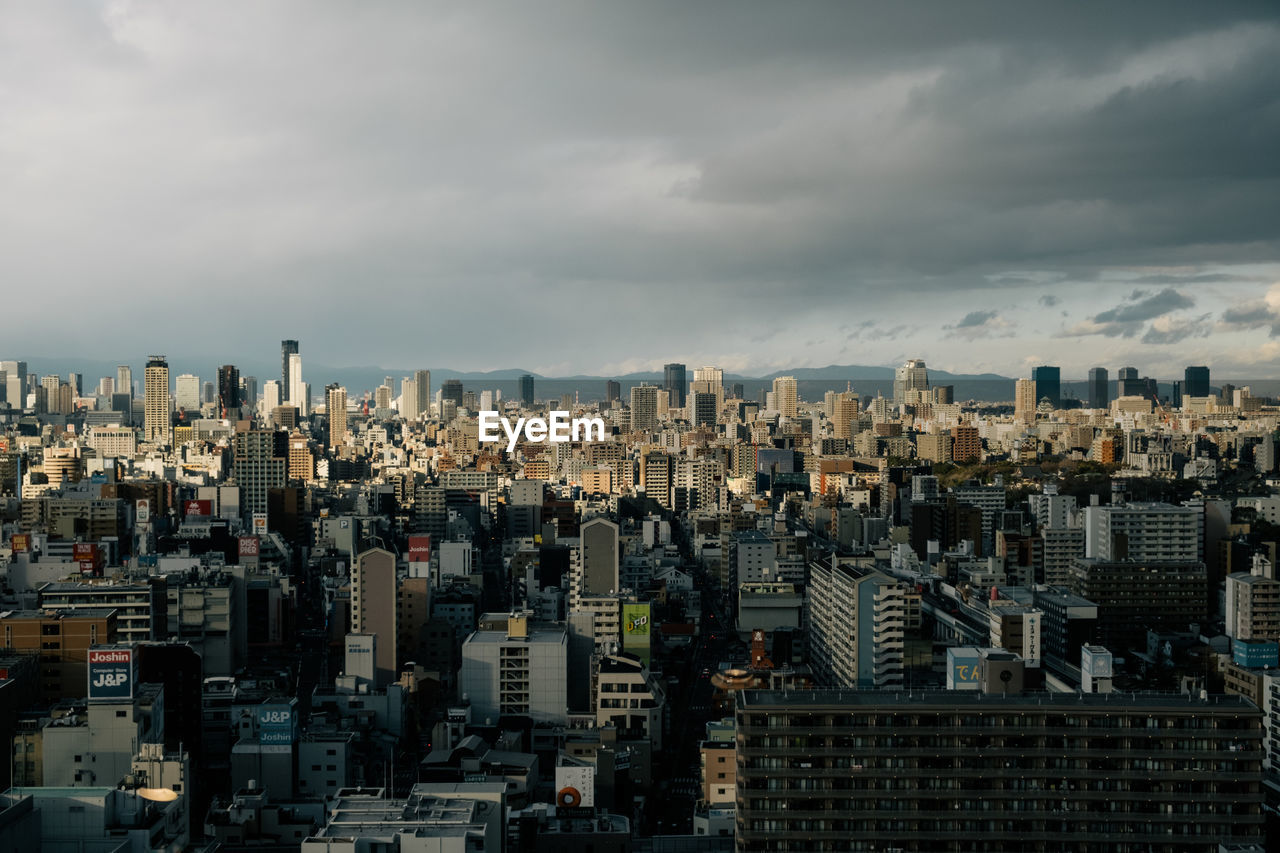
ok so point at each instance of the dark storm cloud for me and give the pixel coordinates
(1145, 307)
(975, 318)
(978, 324)
(1252, 315)
(385, 166)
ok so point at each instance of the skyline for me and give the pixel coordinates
(782, 190)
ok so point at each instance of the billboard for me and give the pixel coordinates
(249, 546)
(575, 787)
(259, 524)
(962, 669)
(203, 509)
(419, 549)
(635, 630)
(21, 543)
(277, 723)
(144, 511)
(84, 551)
(1031, 639)
(111, 672)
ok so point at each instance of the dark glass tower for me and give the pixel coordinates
(1099, 392)
(674, 380)
(1048, 384)
(287, 348)
(1195, 381)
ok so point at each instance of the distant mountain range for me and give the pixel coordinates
(812, 382)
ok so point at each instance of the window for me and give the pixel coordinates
(122, 713)
(331, 767)
(78, 759)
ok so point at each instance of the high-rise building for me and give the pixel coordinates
(408, 398)
(702, 409)
(124, 380)
(373, 607)
(644, 407)
(884, 770)
(1195, 381)
(187, 394)
(612, 391)
(248, 391)
(709, 379)
(270, 395)
(675, 380)
(335, 401)
(526, 389)
(1128, 384)
(1048, 384)
(1144, 531)
(295, 390)
(229, 391)
(451, 390)
(422, 397)
(287, 349)
(208, 393)
(1024, 402)
(15, 382)
(843, 411)
(76, 381)
(856, 624)
(785, 396)
(261, 464)
(966, 444)
(155, 423)
(910, 381)
(1099, 389)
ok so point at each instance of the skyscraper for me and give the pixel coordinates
(702, 408)
(1099, 391)
(612, 391)
(1196, 382)
(1128, 384)
(644, 407)
(1048, 384)
(910, 377)
(228, 391)
(295, 390)
(408, 398)
(188, 393)
(709, 379)
(451, 389)
(675, 380)
(155, 417)
(373, 606)
(785, 395)
(335, 401)
(270, 396)
(422, 381)
(124, 380)
(526, 389)
(1024, 401)
(15, 380)
(287, 348)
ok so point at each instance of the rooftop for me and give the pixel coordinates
(957, 699)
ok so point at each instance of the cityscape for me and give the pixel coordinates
(639, 427)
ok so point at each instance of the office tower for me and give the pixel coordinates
(287, 349)
(785, 396)
(1196, 382)
(884, 770)
(187, 392)
(408, 398)
(208, 393)
(738, 392)
(702, 409)
(675, 381)
(422, 397)
(373, 607)
(155, 423)
(612, 391)
(857, 619)
(1048, 384)
(1099, 391)
(910, 381)
(966, 444)
(270, 396)
(76, 381)
(15, 380)
(1024, 402)
(335, 401)
(594, 564)
(644, 407)
(526, 389)
(451, 390)
(294, 390)
(1128, 384)
(124, 380)
(248, 391)
(843, 412)
(382, 398)
(106, 386)
(709, 379)
(229, 391)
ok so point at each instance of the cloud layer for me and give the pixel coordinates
(487, 185)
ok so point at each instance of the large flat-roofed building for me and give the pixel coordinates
(132, 603)
(940, 770)
(62, 639)
(1134, 596)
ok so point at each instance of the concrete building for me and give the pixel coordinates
(440, 818)
(335, 400)
(1253, 602)
(155, 424)
(519, 671)
(1157, 532)
(946, 770)
(62, 639)
(644, 407)
(373, 607)
(1099, 388)
(261, 463)
(1024, 402)
(675, 383)
(910, 382)
(786, 396)
(630, 698)
(856, 625)
(131, 602)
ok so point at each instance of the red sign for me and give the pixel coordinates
(21, 542)
(83, 551)
(203, 509)
(122, 656)
(249, 546)
(419, 549)
(88, 567)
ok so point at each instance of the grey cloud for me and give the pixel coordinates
(1172, 330)
(1146, 307)
(1049, 300)
(975, 318)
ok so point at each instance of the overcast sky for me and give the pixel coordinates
(595, 188)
